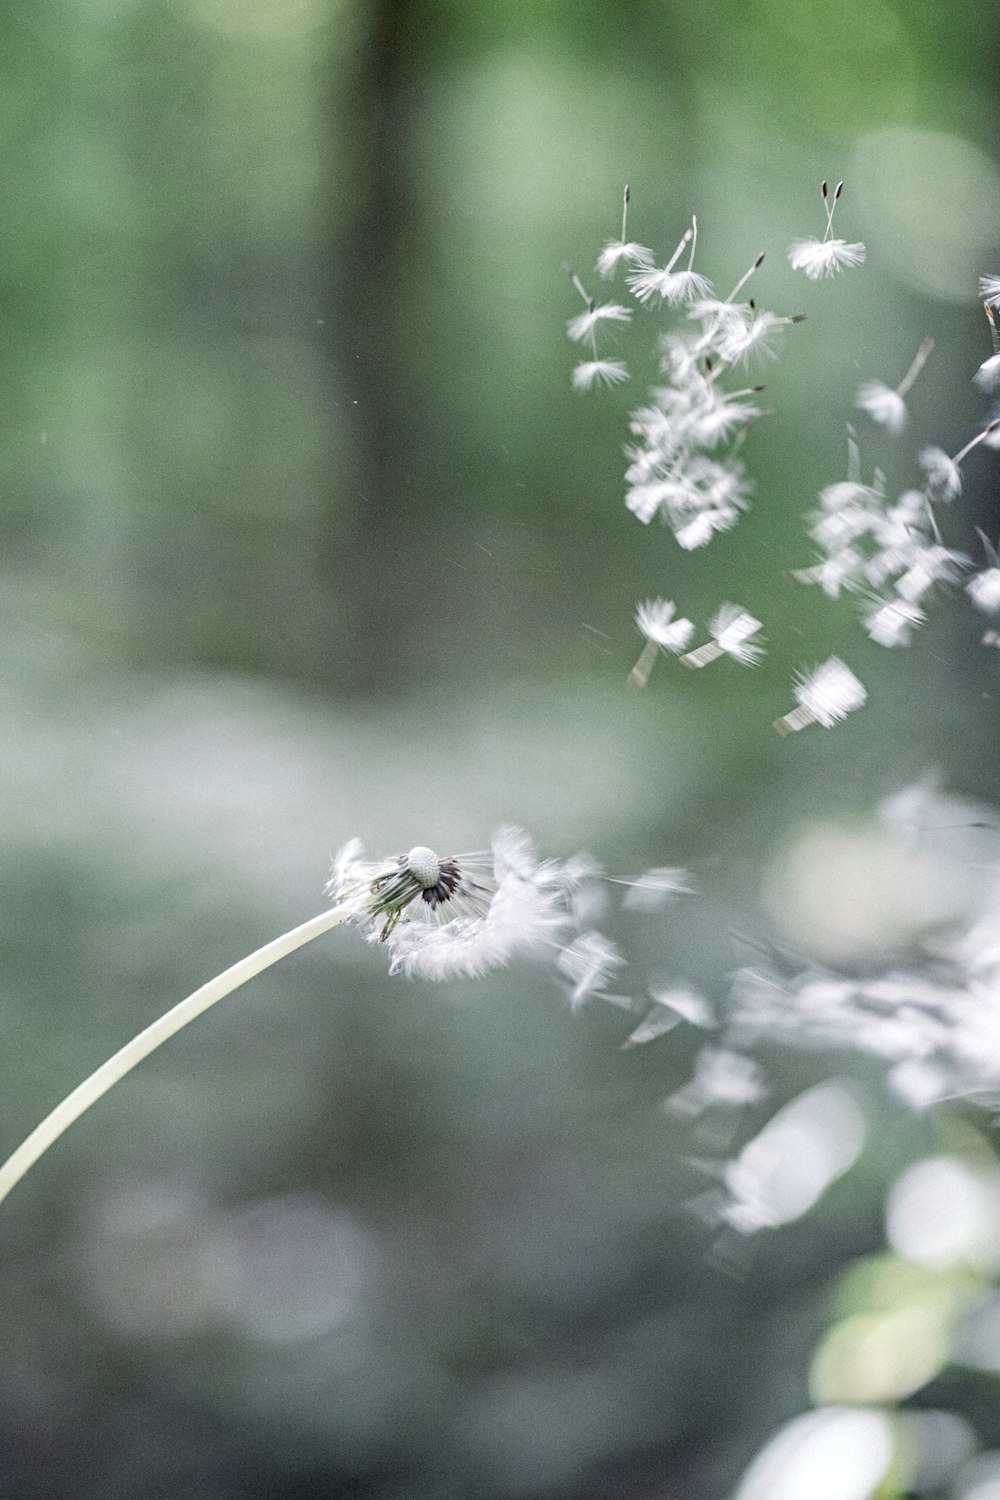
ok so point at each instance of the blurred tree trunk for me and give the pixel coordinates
(375, 570)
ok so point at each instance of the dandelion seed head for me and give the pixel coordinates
(448, 918)
(989, 290)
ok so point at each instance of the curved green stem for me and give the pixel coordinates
(124, 1060)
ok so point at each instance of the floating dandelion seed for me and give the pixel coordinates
(732, 630)
(892, 622)
(593, 372)
(672, 286)
(655, 620)
(655, 889)
(440, 918)
(888, 407)
(824, 696)
(984, 588)
(827, 256)
(588, 963)
(582, 326)
(617, 251)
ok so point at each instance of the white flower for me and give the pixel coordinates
(884, 406)
(824, 696)
(984, 590)
(583, 325)
(655, 620)
(447, 918)
(943, 474)
(989, 289)
(616, 251)
(824, 257)
(598, 372)
(892, 623)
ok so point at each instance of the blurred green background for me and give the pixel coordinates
(306, 536)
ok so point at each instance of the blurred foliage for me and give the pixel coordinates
(305, 535)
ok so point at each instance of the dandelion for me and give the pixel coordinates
(616, 251)
(732, 629)
(606, 372)
(824, 696)
(439, 917)
(989, 289)
(888, 407)
(655, 620)
(827, 256)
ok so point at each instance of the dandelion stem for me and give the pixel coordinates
(639, 675)
(124, 1060)
(919, 360)
(703, 655)
(798, 719)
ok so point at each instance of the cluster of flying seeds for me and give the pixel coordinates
(683, 464)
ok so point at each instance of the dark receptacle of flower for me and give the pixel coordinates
(419, 874)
